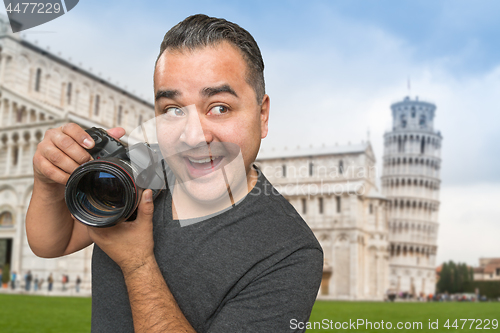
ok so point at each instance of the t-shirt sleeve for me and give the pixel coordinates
(281, 294)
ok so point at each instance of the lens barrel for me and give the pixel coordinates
(102, 193)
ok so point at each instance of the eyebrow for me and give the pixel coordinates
(206, 92)
(211, 91)
(167, 94)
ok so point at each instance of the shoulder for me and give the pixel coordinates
(276, 218)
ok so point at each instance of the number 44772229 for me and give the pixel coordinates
(480, 324)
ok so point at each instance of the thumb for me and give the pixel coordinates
(146, 207)
(116, 132)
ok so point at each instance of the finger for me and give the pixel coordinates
(49, 170)
(78, 134)
(69, 140)
(60, 159)
(146, 207)
(116, 132)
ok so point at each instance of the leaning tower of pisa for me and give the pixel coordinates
(411, 181)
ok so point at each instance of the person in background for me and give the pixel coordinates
(35, 283)
(40, 282)
(50, 280)
(78, 281)
(13, 280)
(28, 278)
(64, 281)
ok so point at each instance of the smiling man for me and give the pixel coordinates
(249, 263)
(209, 123)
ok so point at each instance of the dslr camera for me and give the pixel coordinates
(107, 190)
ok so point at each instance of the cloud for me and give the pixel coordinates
(469, 227)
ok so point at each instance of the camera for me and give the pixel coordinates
(107, 190)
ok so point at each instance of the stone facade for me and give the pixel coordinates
(39, 91)
(411, 183)
(488, 270)
(333, 189)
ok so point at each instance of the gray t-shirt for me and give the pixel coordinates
(253, 268)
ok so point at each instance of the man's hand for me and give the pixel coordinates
(50, 228)
(129, 244)
(61, 151)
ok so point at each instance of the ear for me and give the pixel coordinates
(264, 115)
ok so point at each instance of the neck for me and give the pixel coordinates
(184, 206)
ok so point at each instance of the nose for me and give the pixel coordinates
(195, 132)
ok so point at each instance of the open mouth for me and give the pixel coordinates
(201, 166)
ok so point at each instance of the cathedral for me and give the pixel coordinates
(375, 241)
(38, 91)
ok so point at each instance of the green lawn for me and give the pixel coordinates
(405, 312)
(40, 314)
(21, 313)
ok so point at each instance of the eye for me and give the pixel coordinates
(218, 110)
(174, 112)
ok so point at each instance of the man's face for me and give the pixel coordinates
(208, 119)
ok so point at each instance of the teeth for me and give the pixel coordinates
(204, 160)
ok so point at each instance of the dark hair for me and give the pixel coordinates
(201, 30)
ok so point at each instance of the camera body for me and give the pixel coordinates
(107, 190)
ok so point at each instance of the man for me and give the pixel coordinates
(246, 261)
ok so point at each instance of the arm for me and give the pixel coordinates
(50, 228)
(130, 245)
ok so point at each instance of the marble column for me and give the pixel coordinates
(20, 147)
(9, 158)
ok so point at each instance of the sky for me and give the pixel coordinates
(333, 68)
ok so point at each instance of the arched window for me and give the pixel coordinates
(68, 93)
(339, 208)
(403, 121)
(15, 153)
(422, 120)
(311, 168)
(38, 79)
(119, 115)
(422, 146)
(320, 205)
(341, 167)
(96, 105)
(283, 170)
(6, 219)
(304, 206)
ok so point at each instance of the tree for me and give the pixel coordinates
(6, 273)
(454, 277)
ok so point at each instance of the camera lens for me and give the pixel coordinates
(102, 193)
